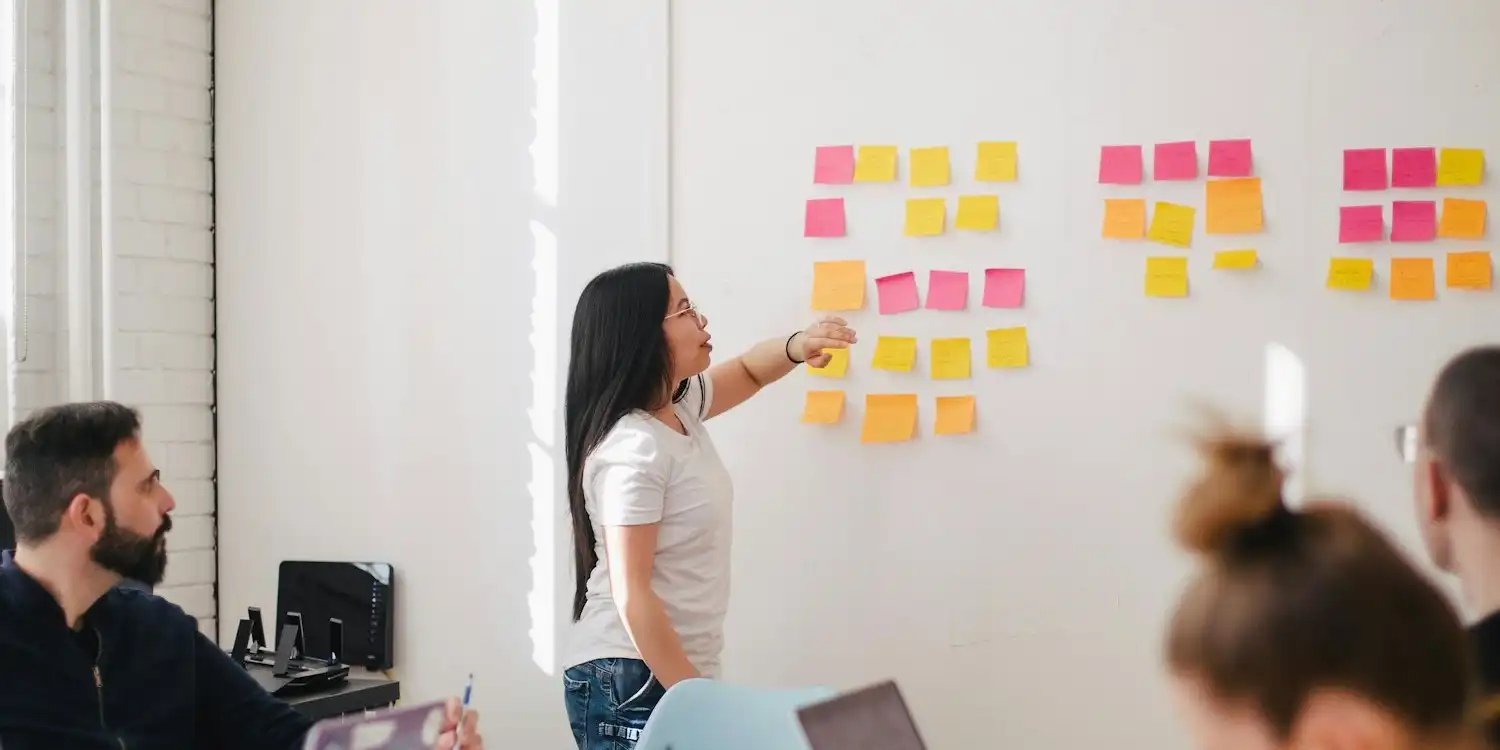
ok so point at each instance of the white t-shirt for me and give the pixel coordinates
(646, 472)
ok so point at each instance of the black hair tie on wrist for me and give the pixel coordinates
(788, 349)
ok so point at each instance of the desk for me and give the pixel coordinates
(352, 696)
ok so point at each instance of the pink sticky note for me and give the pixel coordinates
(1361, 223)
(1413, 221)
(947, 290)
(898, 293)
(1004, 287)
(1364, 169)
(825, 218)
(1413, 167)
(1175, 161)
(1120, 165)
(1230, 158)
(834, 165)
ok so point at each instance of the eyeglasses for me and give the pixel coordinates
(1406, 442)
(691, 308)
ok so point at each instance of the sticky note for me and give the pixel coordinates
(1004, 287)
(1230, 158)
(1413, 167)
(925, 216)
(1175, 161)
(1361, 223)
(1350, 274)
(833, 165)
(1235, 260)
(1166, 277)
(897, 292)
(1172, 224)
(955, 415)
(1120, 165)
(875, 164)
(838, 285)
(837, 367)
(1124, 218)
(950, 359)
(981, 212)
(824, 218)
(929, 166)
(1233, 206)
(823, 407)
(889, 418)
(1364, 169)
(1462, 219)
(1469, 270)
(947, 290)
(1007, 348)
(1413, 221)
(895, 353)
(996, 162)
(1460, 166)
(1413, 279)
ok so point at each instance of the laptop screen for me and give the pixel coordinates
(871, 718)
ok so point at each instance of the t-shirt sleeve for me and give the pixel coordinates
(699, 396)
(627, 477)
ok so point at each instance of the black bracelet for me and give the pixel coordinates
(788, 349)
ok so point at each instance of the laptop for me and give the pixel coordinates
(413, 727)
(871, 718)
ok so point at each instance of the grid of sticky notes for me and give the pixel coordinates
(1436, 210)
(1232, 205)
(847, 286)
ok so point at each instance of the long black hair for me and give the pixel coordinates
(619, 362)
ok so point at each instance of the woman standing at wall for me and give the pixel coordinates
(649, 497)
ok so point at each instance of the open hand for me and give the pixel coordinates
(831, 332)
(454, 737)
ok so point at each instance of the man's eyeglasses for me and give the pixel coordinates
(1406, 442)
(691, 308)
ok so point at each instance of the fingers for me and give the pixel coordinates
(831, 331)
(834, 319)
(451, 710)
(470, 728)
(819, 360)
(819, 344)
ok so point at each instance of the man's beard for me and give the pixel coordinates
(131, 555)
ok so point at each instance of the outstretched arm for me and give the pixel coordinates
(740, 378)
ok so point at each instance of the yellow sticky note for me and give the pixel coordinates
(1172, 224)
(950, 359)
(925, 216)
(929, 166)
(1413, 279)
(1166, 277)
(837, 367)
(1124, 218)
(838, 285)
(955, 415)
(978, 212)
(1460, 166)
(1007, 347)
(1236, 260)
(1233, 206)
(1469, 270)
(1462, 219)
(875, 164)
(996, 162)
(895, 353)
(823, 407)
(1350, 274)
(889, 418)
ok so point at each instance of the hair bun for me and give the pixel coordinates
(1239, 490)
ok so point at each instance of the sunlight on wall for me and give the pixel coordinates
(1286, 413)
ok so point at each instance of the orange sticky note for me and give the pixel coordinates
(1469, 270)
(1413, 279)
(1350, 274)
(955, 415)
(838, 364)
(1462, 219)
(1124, 218)
(1007, 347)
(838, 285)
(1172, 224)
(875, 164)
(823, 407)
(1233, 206)
(929, 166)
(889, 418)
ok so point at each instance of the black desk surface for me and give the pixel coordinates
(352, 696)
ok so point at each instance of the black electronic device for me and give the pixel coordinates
(284, 671)
(257, 631)
(241, 643)
(293, 620)
(360, 595)
(335, 640)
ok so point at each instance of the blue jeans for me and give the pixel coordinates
(609, 701)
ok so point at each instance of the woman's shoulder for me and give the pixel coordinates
(633, 441)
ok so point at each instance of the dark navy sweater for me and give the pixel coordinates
(136, 675)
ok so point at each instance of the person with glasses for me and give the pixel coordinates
(648, 494)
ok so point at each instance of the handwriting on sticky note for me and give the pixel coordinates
(1007, 347)
(1124, 218)
(950, 359)
(875, 164)
(1413, 279)
(1462, 219)
(1235, 260)
(833, 165)
(1120, 165)
(889, 418)
(1166, 277)
(947, 290)
(1175, 161)
(897, 292)
(895, 353)
(978, 212)
(955, 415)
(1350, 274)
(1364, 169)
(1413, 221)
(1233, 206)
(824, 218)
(1460, 166)
(929, 166)
(1470, 269)
(823, 407)
(925, 216)
(838, 285)
(1413, 167)
(1172, 224)
(837, 367)
(1230, 158)
(1004, 287)
(996, 162)
(1361, 223)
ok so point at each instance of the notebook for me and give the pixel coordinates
(871, 718)
(414, 727)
